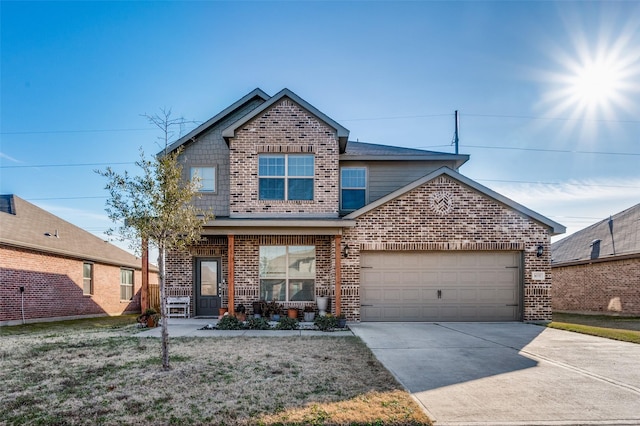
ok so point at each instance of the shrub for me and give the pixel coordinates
(287, 323)
(257, 324)
(325, 322)
(229, 322)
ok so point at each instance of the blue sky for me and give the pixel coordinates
(76, 77)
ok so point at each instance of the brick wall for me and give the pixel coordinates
(610, 287)
(473, 222)
(54, 287)
(284, 128)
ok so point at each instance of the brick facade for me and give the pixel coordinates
(284, 128)
(606, 287)
(475, 222)
(54, 287)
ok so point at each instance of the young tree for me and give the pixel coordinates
(156, 206)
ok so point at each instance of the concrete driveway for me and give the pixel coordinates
(510, 373)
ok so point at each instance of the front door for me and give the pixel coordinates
(207, 291)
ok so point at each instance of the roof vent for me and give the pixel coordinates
(595, 249)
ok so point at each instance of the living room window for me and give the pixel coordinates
(285, 176)
(87, 279)
(353, 185)
(207, 176)
(287, 273)
(126, 284)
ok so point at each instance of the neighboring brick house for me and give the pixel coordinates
(388, 233)
(51, 269)
(597, 269)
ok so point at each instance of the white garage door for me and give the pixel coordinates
(440, 286)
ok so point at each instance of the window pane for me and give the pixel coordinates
(207, 176)
(126, 276)
(301, 290)
(300, 189)
(353, 178)
(300, 165)
(86, 270)
(273, 261)
(302, 262)
(353, 199)
(273, 289)
(271, 165)
(271, 189)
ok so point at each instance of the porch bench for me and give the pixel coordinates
(178, 307)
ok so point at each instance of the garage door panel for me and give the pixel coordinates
(440, 286)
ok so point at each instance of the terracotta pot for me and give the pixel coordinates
(241, 316)
(222, 311)
(292, 313)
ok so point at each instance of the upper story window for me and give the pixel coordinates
(87, 278)
(207, 176)
(353, 186)
(285, 176)
(126, 284)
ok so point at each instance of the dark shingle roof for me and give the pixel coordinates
(363, 148)
(33, 228)
(625, 240)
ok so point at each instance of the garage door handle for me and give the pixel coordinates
(439, 294)
(511, 267)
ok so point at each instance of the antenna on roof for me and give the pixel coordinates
(456, 139)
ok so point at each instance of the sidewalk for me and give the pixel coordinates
(191, 327)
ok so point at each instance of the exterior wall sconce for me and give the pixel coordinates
(345, 251)
(539, 251)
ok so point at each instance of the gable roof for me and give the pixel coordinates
(33, 228)
(369, 151)
(554, 227)
(254, 94)
(618, 236)
(342, 132)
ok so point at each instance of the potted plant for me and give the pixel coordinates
(258, 308)
(325, 322)
(222, 312)
(292, 313)
(272, 310)
(342, 321)
(241, 312)
(309, 313)
(149, 318)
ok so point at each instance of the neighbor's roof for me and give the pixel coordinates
(618, 235)
(554, 227)
(25, 225)
(369, 151)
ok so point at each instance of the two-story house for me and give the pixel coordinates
(388, 233)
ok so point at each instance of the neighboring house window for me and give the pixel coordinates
(285, 177)
(207, 176)
(126, 284)
(353, 184)
(287, 273)
(87, 278)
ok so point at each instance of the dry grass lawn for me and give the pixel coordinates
(97, 372)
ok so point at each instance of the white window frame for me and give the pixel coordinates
(285, 178)
(88, 279)
(286, 276)
(365, 188)
(195, 171)
(127, 285)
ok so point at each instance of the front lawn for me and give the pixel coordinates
(96, 372)
(619, 328)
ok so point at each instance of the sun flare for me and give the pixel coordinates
(596, 83)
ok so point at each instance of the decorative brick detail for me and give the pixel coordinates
(285, 127)
(54, 287)
(607, 287)
(475, 222)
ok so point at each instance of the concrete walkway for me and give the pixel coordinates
(191, 327)
(510, 373)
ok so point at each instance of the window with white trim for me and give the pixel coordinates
(207, 176)
(285, 176)
(353, 187)
(287, 273)
(126, 284)
(87, 279)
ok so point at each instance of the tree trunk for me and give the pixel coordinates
(163, 309)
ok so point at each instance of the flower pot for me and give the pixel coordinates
(309, 316)
(323, 303)
(222, 311)
(241, 316)
(151, 322)
(292, 313)
(275, 317)
(342, 322)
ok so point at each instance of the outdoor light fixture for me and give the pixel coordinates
(539, 251)
(345, 251)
